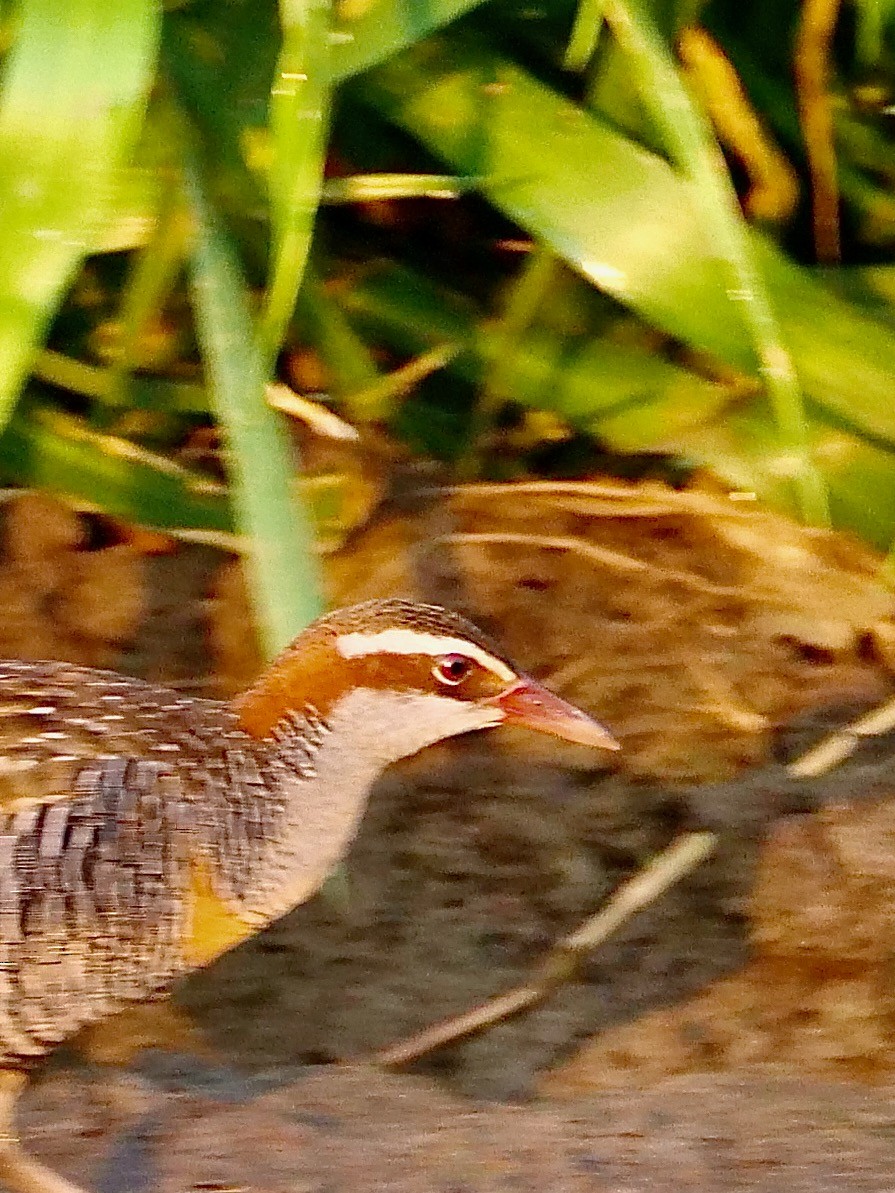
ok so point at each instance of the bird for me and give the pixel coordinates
(144, 832)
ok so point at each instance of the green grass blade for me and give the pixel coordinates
(373, 188)
(349, 362)
(627, 221)
(104, 385)
(872, 17)
(299, 106)
(283, 574)
(693, 147)
(744, 450)
(585, 34)
(73, 95)
(367, 34)
(45, 449)
(526, 294)
(153, 273)
(638, 402)
(224, 56)
(130, 213)
(629, 397)
(622, 216)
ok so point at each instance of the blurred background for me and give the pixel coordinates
(648, 240)
(580, 318)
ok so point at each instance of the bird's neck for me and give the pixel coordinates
(292, 828)
(283, 819)
(291, 807)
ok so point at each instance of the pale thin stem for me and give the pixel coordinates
(659, 875)
(602, 556)
(842, 742)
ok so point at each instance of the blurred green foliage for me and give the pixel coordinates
(532, 199)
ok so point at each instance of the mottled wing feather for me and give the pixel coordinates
(98, 828)
(91, 901)
(55, 717)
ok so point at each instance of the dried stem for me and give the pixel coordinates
(842, 743)
(603, 556)
(812, 71)
(662, 873)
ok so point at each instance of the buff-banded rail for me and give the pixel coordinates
(143, 833)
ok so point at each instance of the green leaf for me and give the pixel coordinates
(742, 449)
(692, 146)
(629, 223)
(49, 450)
(73, 95)
(619, 215)
(873, 16)
(585, 34)
(108, 386)
(152, 274)
(299, 106)
(283, 575)
(346, 356)
(369, 33)
(374, 188)
(631, 398)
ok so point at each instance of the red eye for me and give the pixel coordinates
(452, 669)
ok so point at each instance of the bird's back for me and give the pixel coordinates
(142, 832)
(112, 792)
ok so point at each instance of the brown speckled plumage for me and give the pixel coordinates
(108, 789)
(112, 789)
(142, 832)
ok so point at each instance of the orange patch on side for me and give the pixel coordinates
(213, 926)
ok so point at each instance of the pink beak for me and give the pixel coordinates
(531, 705)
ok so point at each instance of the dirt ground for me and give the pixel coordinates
(723, 1039)
(339, 1130)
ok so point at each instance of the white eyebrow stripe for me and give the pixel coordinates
(397, 641)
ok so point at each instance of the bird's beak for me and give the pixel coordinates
(532, 706)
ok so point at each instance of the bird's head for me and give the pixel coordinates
(400, 676)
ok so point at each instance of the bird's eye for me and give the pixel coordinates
(452, 669)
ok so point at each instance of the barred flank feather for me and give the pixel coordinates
(142, 833)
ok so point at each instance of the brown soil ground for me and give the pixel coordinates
(718, 1041)
(337, 1131)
